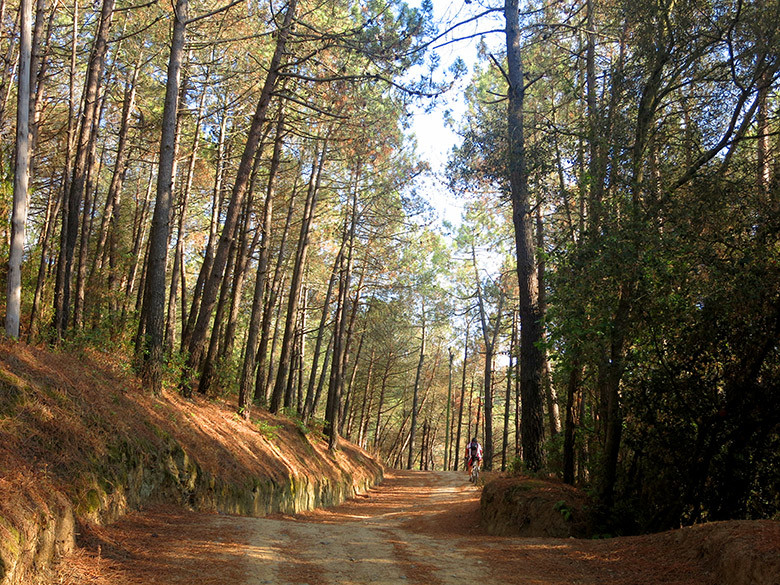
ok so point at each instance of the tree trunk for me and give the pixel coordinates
(277, 397)
(209, 366)
(120, 170)
(21, 175)
(553, 411)
(211, 286)
(368, 398)
(340, 342)
(310, 403)
(52, 211)
(72, 203)
(415, 393)
(94, 164)
(462, 395)
(380, 405)
(255, 321)
(41, 43)
(447, 420)
(153, 317)
(508, 398)
(531, 363)
(139, 227)
(489, 338)
(263, 378)
(570, 428)
(208, 256)
(178, 259)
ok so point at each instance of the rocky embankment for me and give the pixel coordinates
(525, 506)
(80, 442)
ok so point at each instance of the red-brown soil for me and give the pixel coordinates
(417, 527)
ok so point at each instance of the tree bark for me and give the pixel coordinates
(489, 338)
(340, 341)
(462, 395)
(255, 320)
(178, 259)
(416, 391)
(310, 402)
(153, 317)
(70, 209)
(531, 362)
(188, 324)
(508, 398)
(21, 175)
(381, 403)
(277, 398)
(211, 285)
(570, 427)
(553, 410)
(263, 377)
(113, 197)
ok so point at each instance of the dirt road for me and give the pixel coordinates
(400, 533)
(416, 528)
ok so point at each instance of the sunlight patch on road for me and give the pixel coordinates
(261, 553)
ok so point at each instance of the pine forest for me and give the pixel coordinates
(230, 194)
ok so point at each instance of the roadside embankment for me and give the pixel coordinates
(526, 506)
(81, 442)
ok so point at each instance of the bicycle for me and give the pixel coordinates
(474, 477)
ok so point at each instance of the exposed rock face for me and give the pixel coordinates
(134, 478)
(531, 507)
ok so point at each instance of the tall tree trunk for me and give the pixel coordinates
(508, 398)
(263, 377)
(310, 403)
(277, 398)
(489, 338)
(531, 363)
(113, 198)
(569, 429)
(255, 321)
(380, 405)
(553, 411)
(355, 303)
(22, 167)
(52, 211)
(211, 285)
(41, 43)
(139, 228)
(368, 398)
(340, 342)
(462, 395)
(447, 421)
(72, 203)
(94, 165)
(416, 391)
(178, 259)
(208, 256)
(153, 317)
(208, 371)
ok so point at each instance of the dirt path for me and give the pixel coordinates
(416, 528)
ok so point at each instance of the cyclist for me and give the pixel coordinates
(473, 453)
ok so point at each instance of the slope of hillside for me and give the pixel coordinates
(80, 441)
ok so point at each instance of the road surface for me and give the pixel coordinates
(417, 528)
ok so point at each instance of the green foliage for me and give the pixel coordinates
(564, 510)
(268, 431)
(516, 466)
